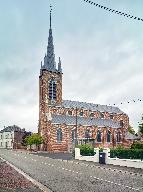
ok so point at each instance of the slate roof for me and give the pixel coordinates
(130, 136)
(91, 106)
(71, 120)
(11, 128)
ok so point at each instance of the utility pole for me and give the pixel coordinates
(76, 141)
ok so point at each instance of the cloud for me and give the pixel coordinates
(101, 59)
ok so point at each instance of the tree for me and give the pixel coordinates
(141, 126)
(24, 137)
(34, 139)
(131, 130)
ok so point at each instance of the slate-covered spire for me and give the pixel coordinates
(49, 59)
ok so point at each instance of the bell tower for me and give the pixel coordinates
(50, 81)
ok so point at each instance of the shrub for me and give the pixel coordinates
(137, 145)
(100, 149)
(86, 150)
(127, 153)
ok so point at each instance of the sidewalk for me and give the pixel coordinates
(12, 181)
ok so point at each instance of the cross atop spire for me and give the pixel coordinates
(50, 16)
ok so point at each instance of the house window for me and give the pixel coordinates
(69, 112)
(99, 136)
(1, 136)
(91, 114)
(108, 137)
(59, 135)
(52, 90)
(118, 137)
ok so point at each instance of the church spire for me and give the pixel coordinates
(49, 59)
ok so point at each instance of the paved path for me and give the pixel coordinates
(12, 181)
(73, 176)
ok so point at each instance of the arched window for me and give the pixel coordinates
(87, 134)
(59, 135)
(81, 113)
(69, 112)
(52, 89)
(111, 116)
(121, 123)
(91, 114)
(118, 137)
(98, 136)
(102, 115)
(108, 137)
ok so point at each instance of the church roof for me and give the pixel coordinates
(91, 106)
(130, 136)
(71, 120)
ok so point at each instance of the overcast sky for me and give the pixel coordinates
(101, 53)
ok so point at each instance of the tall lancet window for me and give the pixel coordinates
(52, 89)
(108, 136)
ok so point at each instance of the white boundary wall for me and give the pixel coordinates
(108, 160)
(123, 162)
(94, 158)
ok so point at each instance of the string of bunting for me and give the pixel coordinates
(113, 10)
(128, 102)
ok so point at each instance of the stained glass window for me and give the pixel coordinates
(108, 136)
(98, 136)
(59, 135)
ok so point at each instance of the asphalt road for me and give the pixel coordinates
(73, 176)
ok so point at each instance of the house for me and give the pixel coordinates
(11, 137)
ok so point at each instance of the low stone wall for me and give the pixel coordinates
(113, 161)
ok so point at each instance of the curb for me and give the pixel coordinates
(36, 183)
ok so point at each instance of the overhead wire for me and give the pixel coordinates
(113, 10)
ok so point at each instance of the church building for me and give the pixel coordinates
(64, 123)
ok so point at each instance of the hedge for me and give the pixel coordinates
(127, 153)
(137, 145)
(86, 150)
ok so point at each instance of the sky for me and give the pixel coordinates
(101, 55)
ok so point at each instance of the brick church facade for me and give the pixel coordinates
(62, 123)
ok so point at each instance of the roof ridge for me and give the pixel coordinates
(91, 103)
